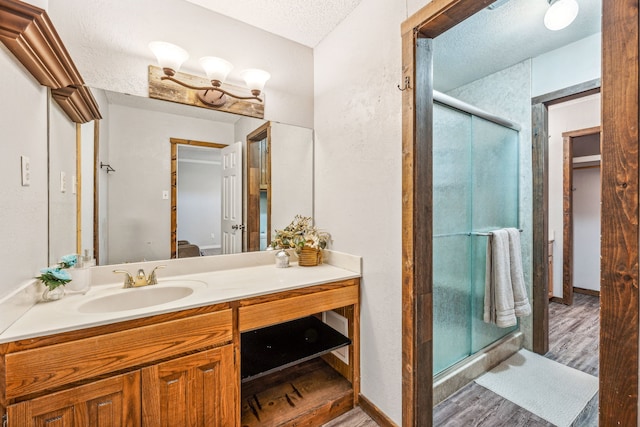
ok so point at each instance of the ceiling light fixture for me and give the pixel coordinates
(560, 14)
(170, 57)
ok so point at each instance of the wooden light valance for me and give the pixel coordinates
(29, 34)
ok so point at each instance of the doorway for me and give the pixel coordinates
(581, 220)
(193, 248)
(619, 324)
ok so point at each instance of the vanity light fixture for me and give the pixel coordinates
(560, 14)
(170, 57)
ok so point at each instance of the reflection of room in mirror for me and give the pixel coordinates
(133, 217)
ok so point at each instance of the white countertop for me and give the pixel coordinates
(46, 318)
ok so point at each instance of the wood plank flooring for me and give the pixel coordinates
(573, 341)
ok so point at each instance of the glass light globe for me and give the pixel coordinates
(255, 79)
(217, 69)
(561, 14)
(170, 57)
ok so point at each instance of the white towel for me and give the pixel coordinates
(505, 292)
(520, 299)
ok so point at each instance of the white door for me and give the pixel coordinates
(232, 226)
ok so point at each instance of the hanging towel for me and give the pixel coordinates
(520, 299)
(498, 296)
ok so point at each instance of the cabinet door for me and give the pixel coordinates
(113, 402)
(192, 391)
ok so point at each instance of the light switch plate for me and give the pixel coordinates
(74, 185)
(26, 171)
(63, 182)
(165, 195)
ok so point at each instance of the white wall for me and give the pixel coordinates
(23, 132)
(87, 131)
(199, 202)
(291, 173)
(572, 115)
(118, 60)
(567, 66)
(139, 151)
(586, 228)
(358, 178)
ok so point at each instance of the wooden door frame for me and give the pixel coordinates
(567, 210)
(257, 135)
(618, 379)
(174, 184)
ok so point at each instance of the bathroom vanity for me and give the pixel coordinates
(181, 363)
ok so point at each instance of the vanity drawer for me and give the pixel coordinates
(293, 307)
(35, 370)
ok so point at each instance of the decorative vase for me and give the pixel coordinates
(53, 294)
(282, 259)
(309, 257)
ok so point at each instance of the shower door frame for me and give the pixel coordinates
(620, 234)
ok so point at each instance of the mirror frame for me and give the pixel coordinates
(620, 273)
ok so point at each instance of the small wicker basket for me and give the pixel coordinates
(309, 257)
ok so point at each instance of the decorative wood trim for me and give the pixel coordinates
(440, 15)
(567, 221)
(567, 94)
(29, 34)
(581, 132)
(77, 102)
(174, 184)
(619, 347)
(173, 92)
(375, 413)
(96, 191)
(540, 254)
(586, 292)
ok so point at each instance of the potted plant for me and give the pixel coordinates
(304, 238)
(54, 278)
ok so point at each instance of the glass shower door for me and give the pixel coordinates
(451, 251)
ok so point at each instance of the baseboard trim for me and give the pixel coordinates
(375, 413)
(586, 291)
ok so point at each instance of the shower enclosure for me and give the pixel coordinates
(475, 190)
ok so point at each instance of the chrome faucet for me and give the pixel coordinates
(140, 279)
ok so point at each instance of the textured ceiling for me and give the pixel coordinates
(493, 40)
(304, 21)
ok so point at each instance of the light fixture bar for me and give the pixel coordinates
(209, 88)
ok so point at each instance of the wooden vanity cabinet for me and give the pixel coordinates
(180, 369)
(111, 402)
(195, 390)
(176, 369)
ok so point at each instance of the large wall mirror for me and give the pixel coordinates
(146, 146)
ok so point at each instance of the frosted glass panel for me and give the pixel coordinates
(451, 171)
(451, 302)
(475, 189)
(494, 176)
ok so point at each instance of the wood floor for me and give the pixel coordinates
(573, 341)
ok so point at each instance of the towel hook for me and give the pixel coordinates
(107, 167)
(407, 84)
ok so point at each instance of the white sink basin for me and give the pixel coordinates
(135, 298)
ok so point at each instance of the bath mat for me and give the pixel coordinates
(548, 389)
